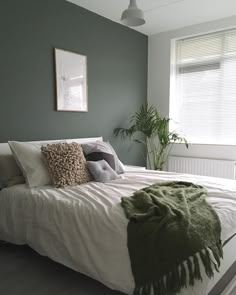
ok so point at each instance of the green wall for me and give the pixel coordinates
(117, 73)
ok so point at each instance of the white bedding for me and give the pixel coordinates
(84, 227)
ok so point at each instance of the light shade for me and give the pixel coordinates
(133, 16)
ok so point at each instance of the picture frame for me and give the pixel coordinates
(71, 81)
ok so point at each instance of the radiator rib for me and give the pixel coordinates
(200, 166)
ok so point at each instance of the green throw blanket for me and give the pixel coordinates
(171, 227)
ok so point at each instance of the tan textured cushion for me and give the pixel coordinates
(66, 163)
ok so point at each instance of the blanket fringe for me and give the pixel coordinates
(185, 273)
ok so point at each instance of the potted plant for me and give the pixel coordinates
(155, 128)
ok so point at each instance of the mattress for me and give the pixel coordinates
(84, 227)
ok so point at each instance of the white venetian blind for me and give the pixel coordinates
(203, 88)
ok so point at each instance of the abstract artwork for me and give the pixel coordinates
(71, 81)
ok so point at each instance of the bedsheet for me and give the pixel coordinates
(84, 227)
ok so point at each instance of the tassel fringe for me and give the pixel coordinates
(186, 273)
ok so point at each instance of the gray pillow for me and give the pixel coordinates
(99, 150)
(101, 171)
(8, 166)
(2, 185)
(15, 180)
(120, 168)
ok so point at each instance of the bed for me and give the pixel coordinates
(84, 227)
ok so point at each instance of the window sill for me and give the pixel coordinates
(210, 144)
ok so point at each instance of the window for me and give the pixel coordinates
(203, 88)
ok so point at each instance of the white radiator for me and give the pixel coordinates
(205, 167)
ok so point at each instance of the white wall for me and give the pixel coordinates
(159, 77)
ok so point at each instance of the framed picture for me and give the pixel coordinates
(71, 81)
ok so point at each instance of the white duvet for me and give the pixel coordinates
(84, 227)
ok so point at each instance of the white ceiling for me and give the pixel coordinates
(164, 15)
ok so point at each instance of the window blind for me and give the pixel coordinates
(203, 88)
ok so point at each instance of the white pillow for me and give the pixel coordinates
(31, 162)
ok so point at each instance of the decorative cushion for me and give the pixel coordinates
(102, 171)
(30, 159)
(97, 151)
(66, 163)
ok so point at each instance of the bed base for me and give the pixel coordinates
(219, 284)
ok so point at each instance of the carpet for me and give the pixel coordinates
(24, 272)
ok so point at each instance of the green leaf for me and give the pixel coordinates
(148, 122)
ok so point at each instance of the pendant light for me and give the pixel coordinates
(133, 16)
